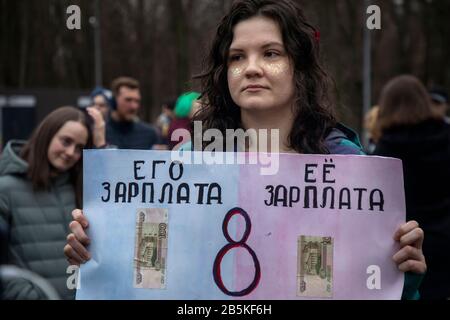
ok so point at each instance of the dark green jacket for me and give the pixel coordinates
(37, 223)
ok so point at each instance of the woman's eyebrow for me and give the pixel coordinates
(272, 44)
(264, 46)
(235, 49)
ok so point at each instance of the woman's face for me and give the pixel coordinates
(99, 102)
(66, 146)
(260, 72)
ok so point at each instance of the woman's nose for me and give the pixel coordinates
(70, 151)
(253, 67)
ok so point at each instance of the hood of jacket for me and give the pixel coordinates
(10, 160)
(343, 140)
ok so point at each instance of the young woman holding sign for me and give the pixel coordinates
(264, 73)
(40, 184)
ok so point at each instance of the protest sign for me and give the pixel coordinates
(321, 228)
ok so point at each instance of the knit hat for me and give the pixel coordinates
(107, 94)
(184, 104)
(439, 95)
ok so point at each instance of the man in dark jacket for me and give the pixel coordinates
(123, 129)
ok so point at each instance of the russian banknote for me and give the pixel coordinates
(315, 267)
(150, 254)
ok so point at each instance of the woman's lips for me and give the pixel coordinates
(254, 88)
(65, 160)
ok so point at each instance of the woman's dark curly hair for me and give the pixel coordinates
(314, 113)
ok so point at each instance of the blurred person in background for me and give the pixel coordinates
(410, 130)
(185, 108)
(102, 100)
(123, 128)
(439, 102)
(99, 110)
(163, 124)
(370, 120)
(40, 184)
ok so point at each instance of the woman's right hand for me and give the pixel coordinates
(77, 241)
(99, 131)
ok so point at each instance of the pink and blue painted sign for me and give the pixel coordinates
(320, 228)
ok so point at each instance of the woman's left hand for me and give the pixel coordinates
(410, 257)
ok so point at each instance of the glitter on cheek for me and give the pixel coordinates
(236, 72)
(277, 69)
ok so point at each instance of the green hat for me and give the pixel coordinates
(184, 104)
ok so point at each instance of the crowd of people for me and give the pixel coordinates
(263, 72)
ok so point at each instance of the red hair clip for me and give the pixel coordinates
(317, 35)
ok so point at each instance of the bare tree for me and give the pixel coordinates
(162, 43)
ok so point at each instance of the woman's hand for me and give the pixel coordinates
(410, 257)
(98, 134)
(75, 249)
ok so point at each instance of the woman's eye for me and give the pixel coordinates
(271, 54)
(66, 142)
(235, 57)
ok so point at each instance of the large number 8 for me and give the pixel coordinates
(236, 244)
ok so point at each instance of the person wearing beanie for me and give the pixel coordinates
(102, 100)
(101, 103)
(439, 102)
(185, 108)
(163, 122)
(184, 104)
